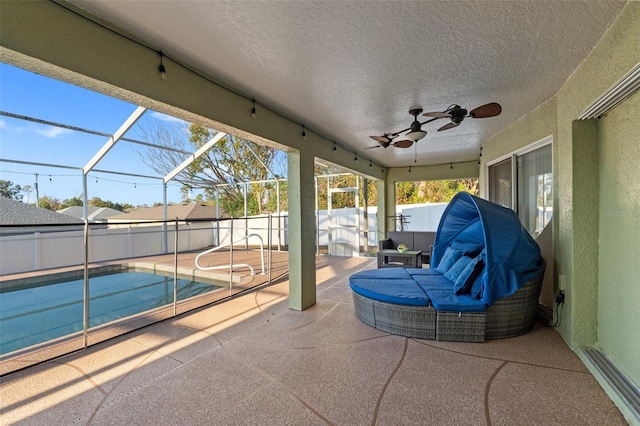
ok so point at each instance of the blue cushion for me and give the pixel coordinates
(444, 301)
(469, 248)
(401, 292)
(477, 287)
(388, 273)
(422, 271)
(468, 275)
(434, 282)
(457, 268)
(450, 257)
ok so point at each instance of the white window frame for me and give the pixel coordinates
(548, 140)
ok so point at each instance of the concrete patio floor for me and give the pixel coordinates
(252, 360)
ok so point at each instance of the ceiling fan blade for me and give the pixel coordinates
(437, 114)
(486, 111)
(375, 146)
(448, 126)
(381, 139)
(403, 144)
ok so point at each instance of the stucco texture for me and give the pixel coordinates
(619, 245)
(595, 171)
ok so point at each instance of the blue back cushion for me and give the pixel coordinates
(470, 249)
(457, 268)
(450, 257)
(477, 286)
(465, 280)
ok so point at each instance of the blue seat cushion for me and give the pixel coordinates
(387, 273)
(422, 271)
(448, 301)
(398, 291)
(434, 282)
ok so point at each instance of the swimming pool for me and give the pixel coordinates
(33, 312)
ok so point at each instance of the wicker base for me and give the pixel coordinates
(460, 326)
(516, 314)
(403, 320)
(508, 317)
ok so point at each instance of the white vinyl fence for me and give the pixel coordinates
(47, 249)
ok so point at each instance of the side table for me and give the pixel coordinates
(410, 258)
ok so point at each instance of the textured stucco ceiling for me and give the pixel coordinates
(351, 69)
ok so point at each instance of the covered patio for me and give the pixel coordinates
(331, 81)
(252, 360)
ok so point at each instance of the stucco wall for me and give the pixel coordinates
(619, 240)
(587, 158)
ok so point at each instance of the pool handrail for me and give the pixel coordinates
(209, 268)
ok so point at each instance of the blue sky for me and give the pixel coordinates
(32, 95)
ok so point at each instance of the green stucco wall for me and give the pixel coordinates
(595, 170)
(619, 242)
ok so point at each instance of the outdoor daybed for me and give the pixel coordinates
(484, 281)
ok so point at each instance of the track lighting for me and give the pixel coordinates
(161, 69)
(253, 109)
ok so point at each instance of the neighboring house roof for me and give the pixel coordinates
(96, 214)
(191, 211)
(14, 212)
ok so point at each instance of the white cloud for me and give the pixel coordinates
(51, 132)
(3, 124)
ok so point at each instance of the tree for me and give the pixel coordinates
(10, 190)
(433, 191)
(223, 169)
(27, 189)
(50, 203)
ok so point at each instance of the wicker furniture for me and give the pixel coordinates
(414, 240)
(509, 317)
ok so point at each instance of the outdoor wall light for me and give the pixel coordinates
(304, 133)
(253, 110)
(161, 68)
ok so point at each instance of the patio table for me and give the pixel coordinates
(410, 258)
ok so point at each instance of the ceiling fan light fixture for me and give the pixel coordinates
(416, 135)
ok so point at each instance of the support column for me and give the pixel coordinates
(381, 214)
(302, 230)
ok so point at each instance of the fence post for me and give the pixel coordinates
(85, 304)
(175, 271)
(231, 257)
(36, 250)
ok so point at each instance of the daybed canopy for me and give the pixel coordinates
(512, 255)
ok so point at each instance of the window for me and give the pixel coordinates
(535, 189)
(500, 189)
(533, 181)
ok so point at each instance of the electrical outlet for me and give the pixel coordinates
(562, 282)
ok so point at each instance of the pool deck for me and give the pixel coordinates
(253, 361)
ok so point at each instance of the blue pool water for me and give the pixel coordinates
(34, 315)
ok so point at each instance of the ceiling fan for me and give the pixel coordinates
(455, 113)
(414, 134)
